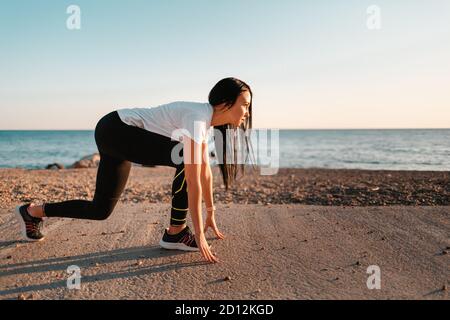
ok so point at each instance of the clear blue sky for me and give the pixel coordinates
(312, 64)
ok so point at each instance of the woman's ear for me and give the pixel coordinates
(222, 107)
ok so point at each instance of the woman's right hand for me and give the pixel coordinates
(203, 246)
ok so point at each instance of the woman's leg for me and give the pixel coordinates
(180, 207)
(112, 176)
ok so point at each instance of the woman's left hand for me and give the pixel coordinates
(211, 222)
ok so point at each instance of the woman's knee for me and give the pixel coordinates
(101, 212)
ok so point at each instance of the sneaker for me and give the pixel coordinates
(184, 240)
(30, 226)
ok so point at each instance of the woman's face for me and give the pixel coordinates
(240, 109)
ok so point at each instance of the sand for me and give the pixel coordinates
(271, 251)
(303, 186)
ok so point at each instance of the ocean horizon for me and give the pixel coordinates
(372, 149)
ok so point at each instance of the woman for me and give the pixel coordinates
(146, 136)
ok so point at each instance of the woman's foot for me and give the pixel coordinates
(36, 211)
(183, 240)
(30, 226)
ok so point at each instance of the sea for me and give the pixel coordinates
(380, 149)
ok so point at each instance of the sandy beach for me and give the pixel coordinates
(330, 187)
(301, 234)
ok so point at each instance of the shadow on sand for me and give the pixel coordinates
(89, 261)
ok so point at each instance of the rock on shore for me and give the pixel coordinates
(90, 161)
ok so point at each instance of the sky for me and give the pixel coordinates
(311, 64)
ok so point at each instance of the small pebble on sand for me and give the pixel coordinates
(227, 278)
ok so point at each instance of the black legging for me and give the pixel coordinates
(119, 145)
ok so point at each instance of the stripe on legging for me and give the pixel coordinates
(178, 219)
(182, 184)
(180, 209)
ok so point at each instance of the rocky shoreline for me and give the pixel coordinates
(329, 187)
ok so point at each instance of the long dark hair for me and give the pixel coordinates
(227, 91)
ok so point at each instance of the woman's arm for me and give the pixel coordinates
(192, 165)
(206, 178)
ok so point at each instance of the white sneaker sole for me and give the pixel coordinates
(23, 228)
(177, 246)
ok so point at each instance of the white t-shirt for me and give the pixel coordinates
(173, 120)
